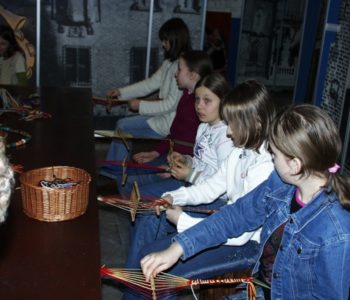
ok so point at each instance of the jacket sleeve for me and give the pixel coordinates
(332, 261)
(256, 175)
(247, 214)
(186, 221)
(171, 96)
(144, 87)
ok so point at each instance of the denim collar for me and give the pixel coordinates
(302, 217)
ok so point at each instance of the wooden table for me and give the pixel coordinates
(58, 260)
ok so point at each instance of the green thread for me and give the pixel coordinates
(26, 137)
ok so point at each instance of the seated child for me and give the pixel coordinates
(303, 209)
(248, 112)
(155, 118)
(211, 149)
(192, 66)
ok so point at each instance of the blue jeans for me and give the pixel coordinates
(157, 232)
(211, 262)
(137, 126)
(242, 294)
(151, 185)
(149, 227)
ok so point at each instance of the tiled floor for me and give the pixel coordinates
(114, 245)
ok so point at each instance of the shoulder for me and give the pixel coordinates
(263, 153)
(339, 216)
(220, 129)
(202, 128)
(169, 64)
(18, 56)
(186, 99)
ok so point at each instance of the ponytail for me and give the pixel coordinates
(340, 184)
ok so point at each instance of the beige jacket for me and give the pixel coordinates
(10, 67)
(161, 112)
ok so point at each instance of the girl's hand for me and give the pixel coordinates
(145, 157)
(134, 104)
(180, 170)
(175, 157)
(113, 93)
(168, 203)
(165, 174)
(173, 214)
(154, 263)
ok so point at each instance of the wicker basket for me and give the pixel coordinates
(50, 204)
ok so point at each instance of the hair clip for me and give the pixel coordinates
(334, 169)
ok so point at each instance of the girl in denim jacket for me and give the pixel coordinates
(303, 208)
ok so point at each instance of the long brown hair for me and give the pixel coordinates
(8, 35)
(176, 32)
(309, 134)
(216, 83)
(249, 111)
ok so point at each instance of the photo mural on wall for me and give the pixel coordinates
(270, 41)
(182, 6)
(102, 44)
(256, 38)
(76, 15)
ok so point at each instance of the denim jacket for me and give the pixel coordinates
(313, 258)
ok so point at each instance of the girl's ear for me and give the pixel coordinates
(194, 76)
(295, 165)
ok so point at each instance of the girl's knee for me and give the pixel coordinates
(122, 124)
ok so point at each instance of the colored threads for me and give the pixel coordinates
(26, 137)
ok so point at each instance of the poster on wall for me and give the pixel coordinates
(103, 44)
(255, 44)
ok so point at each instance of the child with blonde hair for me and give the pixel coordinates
(303, 209)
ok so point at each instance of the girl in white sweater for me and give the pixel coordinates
(155, 117)
(211, 149)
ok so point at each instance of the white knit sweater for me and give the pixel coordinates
(240, 173)
(211, 149)
(161, 112)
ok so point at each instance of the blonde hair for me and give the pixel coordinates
(309, 134)
(6, 182)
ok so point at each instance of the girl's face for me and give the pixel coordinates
(207, 105)
(166, 45)
(284, 165)
(184, 77)
(3, 46)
